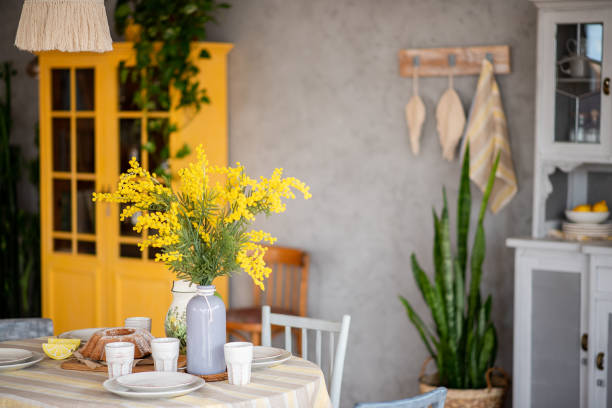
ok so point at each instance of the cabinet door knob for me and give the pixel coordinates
(606, 86)
(584, 342)
(599, 361)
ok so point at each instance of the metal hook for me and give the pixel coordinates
(415, 61)
(451, 60)
(489, 57)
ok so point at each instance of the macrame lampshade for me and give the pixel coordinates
(64, 25)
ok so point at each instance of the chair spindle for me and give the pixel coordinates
(288, 340)
(331, 353)
(280, 275)
(304, 344)
(318, 348)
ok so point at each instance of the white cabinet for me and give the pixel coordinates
(573, 128)
(562, 324)
(563, 289)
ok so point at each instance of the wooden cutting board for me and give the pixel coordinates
(78, 366)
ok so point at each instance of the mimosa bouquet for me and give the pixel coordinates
(203, 228)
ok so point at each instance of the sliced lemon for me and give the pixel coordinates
(58, 351)
(69, 342)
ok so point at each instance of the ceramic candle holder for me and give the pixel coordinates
(119, 358)
(238, 358)
(138, 323)
(165, 353)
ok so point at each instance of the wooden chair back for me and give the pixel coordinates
(433, 399)
(287, 286)
(337, 351)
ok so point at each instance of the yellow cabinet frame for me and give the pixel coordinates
(82, 290)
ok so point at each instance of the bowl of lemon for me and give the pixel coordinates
(589, 214)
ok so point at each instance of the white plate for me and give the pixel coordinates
(83, 334)
(587, 217)
(156, 381)
(265, 353)
(13, 355)
(114, 387)
(271, 362)
(572, 225)
(36, 357)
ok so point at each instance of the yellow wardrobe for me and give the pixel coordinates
(93, 274)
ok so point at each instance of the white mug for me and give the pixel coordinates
(165, 352)
(238, 358)
(119, 358)
(138, 323)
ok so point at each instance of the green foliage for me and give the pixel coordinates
(171, 25)
(464, 344)
(206, 262)
(19, 229)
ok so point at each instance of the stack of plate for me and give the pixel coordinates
(269, 356)
(15, 359)
(154, 384)
(575, 230)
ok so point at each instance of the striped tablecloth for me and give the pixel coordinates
(296, 383)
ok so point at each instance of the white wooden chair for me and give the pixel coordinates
(337, 353)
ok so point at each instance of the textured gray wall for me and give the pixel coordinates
(314, 88)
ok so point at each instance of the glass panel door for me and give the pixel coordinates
(73, 160)
(579, 57)
(143, 135)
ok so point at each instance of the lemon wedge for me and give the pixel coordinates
(69, 342)
(58, 351)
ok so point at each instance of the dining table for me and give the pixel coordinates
(295, 383)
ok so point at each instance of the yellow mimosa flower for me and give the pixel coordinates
(202, 229)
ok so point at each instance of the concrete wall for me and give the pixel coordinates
(314, 88)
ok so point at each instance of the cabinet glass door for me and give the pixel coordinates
(579, 55)
(73, 177)
(143, 135)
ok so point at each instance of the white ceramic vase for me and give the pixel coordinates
(176, 318)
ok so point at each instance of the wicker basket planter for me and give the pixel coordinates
(490, 397)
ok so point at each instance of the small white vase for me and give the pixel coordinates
(176, 318)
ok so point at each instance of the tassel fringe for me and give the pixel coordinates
(64, 25)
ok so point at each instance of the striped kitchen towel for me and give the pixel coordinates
(488, 134)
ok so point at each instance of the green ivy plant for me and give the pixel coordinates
(163, 60)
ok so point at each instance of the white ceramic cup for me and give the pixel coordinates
(165, 353)
(119, 358)
(238, 358)
(138, 323)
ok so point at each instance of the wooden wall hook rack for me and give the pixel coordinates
(455, 60)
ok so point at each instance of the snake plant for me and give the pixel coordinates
(463, 341)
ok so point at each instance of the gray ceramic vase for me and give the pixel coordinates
(205, 333)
